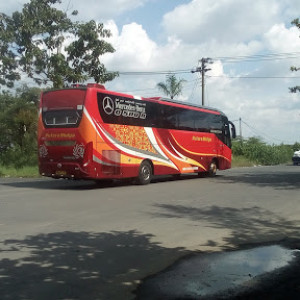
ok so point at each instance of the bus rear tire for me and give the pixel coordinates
(212, 171)
(145, 173)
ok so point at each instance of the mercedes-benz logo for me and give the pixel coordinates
(108, 105)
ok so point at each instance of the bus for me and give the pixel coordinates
(88, 132)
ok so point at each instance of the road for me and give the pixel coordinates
(82, 240)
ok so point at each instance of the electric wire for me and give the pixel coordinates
(187, 71)
(258, 57)
(224, 59)
(151, 90)
(263, 134)
(254, 77)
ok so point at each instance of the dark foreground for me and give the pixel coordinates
(262, 272)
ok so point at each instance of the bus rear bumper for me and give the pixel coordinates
(63, 170)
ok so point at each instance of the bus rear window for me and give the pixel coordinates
(62, 118)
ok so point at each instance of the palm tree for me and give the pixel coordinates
(172, 87)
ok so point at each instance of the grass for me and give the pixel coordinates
(29, 171)
(241, 161)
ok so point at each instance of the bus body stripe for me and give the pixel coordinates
(132, 152)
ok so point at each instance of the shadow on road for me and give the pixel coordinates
(63, 184)
(247, 225)
(283, 180)
(80, 265)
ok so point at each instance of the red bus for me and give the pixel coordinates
(88, 132)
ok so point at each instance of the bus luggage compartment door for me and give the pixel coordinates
(112, 162)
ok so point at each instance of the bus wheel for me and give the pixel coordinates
(212, 171)
(145, 173)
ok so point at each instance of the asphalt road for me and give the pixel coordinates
(81, 240)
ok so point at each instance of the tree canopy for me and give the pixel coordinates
(295, 89)
(172, 87)
(44, 43)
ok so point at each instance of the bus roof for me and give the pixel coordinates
(163, 99)
(158, 99)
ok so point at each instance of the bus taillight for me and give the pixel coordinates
(88, 154)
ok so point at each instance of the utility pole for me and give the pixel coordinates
(203, 69)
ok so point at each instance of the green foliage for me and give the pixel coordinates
(296, 22)
(260, 153)
(296, 147)
(172, 87)
(44, 43)
(18, 157)
(18, 128)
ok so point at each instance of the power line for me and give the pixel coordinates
(258, 57)
(255, 131)
(225, 59)
(186, 85)
(256, 77)
(155, 72)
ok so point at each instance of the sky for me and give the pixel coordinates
(252, 45)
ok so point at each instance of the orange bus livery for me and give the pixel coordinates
(88, 132)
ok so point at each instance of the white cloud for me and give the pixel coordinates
(226, 21)
(134, 49)
(281, 39)
(273, 116)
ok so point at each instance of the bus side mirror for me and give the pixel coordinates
(233, 132)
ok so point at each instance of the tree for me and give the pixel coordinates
(295, 89)
(18, 127)
(44, 43)
(172, 87)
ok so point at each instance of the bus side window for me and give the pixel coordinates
(170, 117)
(187, 120)
(201, 122)
(153, 118)
(215, 122)
(160, 117)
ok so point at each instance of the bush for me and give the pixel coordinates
(260, 153)
(19, 157)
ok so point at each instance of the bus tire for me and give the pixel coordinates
(212, 171)
(145, 173)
